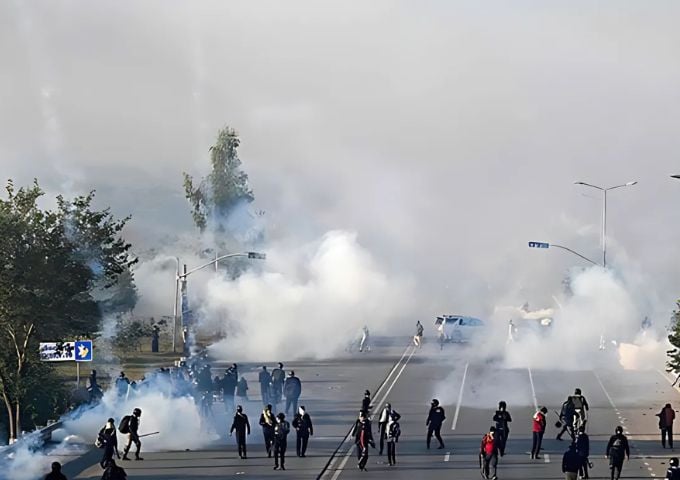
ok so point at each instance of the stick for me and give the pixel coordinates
(148, 434)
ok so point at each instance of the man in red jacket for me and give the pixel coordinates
(538, 429)
(488, 451)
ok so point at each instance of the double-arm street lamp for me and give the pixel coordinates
(604, 191)
(180, 278)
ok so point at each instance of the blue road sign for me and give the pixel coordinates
(83, 350)
(538, 245)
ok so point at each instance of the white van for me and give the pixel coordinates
(457, 328)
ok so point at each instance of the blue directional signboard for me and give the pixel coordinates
(83, 350)
(538, 245)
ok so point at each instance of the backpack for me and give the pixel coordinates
(124, 426)
(395, 430)
(577, 401)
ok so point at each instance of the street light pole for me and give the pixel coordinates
(174, 309)
(549, 245)
(604, 191)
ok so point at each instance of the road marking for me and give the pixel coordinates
(394, 380)
(606, 393)
(546, 458)
(533, 390)
(447, 456)
(460, 398)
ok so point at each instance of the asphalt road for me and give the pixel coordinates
(409, 378)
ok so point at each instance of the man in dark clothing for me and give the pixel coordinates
(122, 384)
(571, 462)
(278, 378)
(268, 422)
(292, 390)
(386, 415)
(489, 453)
(434, 423)
(55, 474)
(673, 472)
(108, 440)
(242, 427)
(583, 449)
(366, 402)
(617, 449)
(265, 380)
(567, 414)
(537, 430)
(302, 423)
(229, 382)
(133, 435)
(666, 418)
(363, 437)
(114, 472)
(281, 431)
(502, 418)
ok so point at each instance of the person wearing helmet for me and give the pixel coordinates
(567, 415)
(580, 408)
(488, 452)
(281, 431)
(673, 472)
(582, 444)
(108, 440)
(363, 438)
(55, 474)
(537, 431)
(242, 427)
(502, 418)
(434, 423)
(617, 449)
(268, 423)
(366, 402)
(133, 435)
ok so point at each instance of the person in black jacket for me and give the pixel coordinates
(292, 390)
(302, 423)
(571, 462)
(265, 380)
(366, 402)
(268, 423)
(673, 472)
(229, 382)
(363, 437)
(502, 418)
(617, 449)
(278, 378)
(242, 427)
(56, 474)
(133, 435)
(281, 431)
(114, 472)
(583, 449)
(434, 423)
(386, 415)
(108, 440)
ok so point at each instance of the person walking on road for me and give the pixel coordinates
(281, 431)
(434, 423)
(502, 418)
(363, 437)
(418, 337)
(488, 452)
(366, 402)
(385, 417)
(363, 344)
(582, 444)
(108, 440)
(132, 432)
(666, 418)
(673, 472)
(114, 472)
(537, 431)
(265, 380)
(567, 414)
(571, 462)
(55, 474)
(292, 390)
(268, 422)
(393, 433)
(242, 427)
(278, 378)
(302, 423)
(617, 449)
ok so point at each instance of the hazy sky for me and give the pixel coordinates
(446, 134)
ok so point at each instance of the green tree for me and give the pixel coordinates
(50, 262)
(673, 362)
(224, 188)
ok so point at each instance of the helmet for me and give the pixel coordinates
(577, 391)
(367, 393)
(619, 429)
(502, 405)
(435, 402)
(673, 462)
(269, 406)
(281, 416)
(492, 429)
(239, 408)
(137, 412)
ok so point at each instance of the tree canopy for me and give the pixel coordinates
(673, 362)
(225, 187)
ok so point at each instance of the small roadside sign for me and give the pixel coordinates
(83, 351)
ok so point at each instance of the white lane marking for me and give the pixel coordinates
(606, 393)
(337, 473)
(546, 458)
(533, 389)
(460, 398)
(447, 456)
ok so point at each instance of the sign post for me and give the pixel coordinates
(78, 351)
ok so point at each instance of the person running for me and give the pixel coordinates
(281, 431)
(567, 414)
(673, 472)
(571, 462)
(242, 427)
(55, 474)
(580, 409)
(434, 423)
(617, 449)
(363, 437)
(268, 422)
(488, 452)
(537, 431)
(502, 418)
(393, 433)
(666, 418)
(582, 444)
(418, 337)
(108, 440)
(132, 431)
